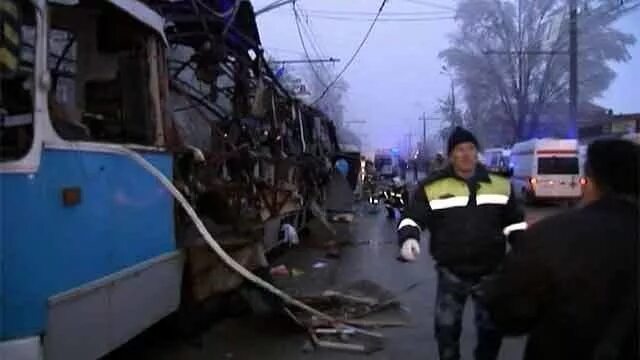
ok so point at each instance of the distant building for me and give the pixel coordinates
(554, 121)
(594, 122)
(609, 126)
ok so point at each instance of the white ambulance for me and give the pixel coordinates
(634, 137)
(546, 169)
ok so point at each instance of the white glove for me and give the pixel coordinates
(410, 249)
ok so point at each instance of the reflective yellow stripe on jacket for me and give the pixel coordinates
(447, 193)
(496, 192)
(451, 192)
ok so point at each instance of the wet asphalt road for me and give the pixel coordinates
(249, 337)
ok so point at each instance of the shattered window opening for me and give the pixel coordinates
(101, 67)
(16, 94)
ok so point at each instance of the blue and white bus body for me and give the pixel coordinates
(80, 278)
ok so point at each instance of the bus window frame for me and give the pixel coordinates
(30, 162)
(43, 131)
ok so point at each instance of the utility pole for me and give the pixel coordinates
(424, 120)
(410, 136)
(573, 66)
(444, 70)
(453, 102)
(424, 130)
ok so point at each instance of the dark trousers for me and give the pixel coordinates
(450, 301)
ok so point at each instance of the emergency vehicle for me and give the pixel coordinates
(387, 163)
(546, 169)
(635, 137)
(497, 160)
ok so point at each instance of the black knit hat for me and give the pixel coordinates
(614, 166)
(459, 136)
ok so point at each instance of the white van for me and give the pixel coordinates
(634, 137)
(546, 169)
(582, 157)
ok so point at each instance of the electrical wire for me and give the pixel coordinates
(304, 46)
(355, 54)
(431, 4)
(371, 14)
(319, 51)
(219, 14)
(434, 17)
(418, 19)
(308, 30)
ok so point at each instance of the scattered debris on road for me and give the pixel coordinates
(320, 265)
(280, 270)
(364, 304)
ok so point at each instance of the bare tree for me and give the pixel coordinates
(332, 103)
(511, 56)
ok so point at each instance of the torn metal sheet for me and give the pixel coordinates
(346, 341)
(362, 303)
(321, 216)
(144, 14)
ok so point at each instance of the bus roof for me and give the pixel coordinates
(546, 144)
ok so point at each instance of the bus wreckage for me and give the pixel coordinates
(96, 94)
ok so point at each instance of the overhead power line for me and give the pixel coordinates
(431, 4)
(306, 61)
(308, 29)
(371, 14)
(304, 46)
(416, 19)
(355, 54)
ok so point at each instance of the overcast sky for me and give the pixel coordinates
(397, 74)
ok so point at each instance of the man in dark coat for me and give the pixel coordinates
(571, 281)
(470, 214)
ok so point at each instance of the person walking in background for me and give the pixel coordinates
(571, 282)
(468, 212)
(438, 163)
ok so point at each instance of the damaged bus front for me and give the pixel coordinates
(87, 245)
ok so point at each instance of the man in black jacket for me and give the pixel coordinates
(571, 281)
(469, 214)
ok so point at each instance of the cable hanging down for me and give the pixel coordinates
(304, 46)
(315, 46)
(355, 54)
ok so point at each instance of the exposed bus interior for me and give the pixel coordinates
(16, 88)
(101, 68)
(383, 165)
